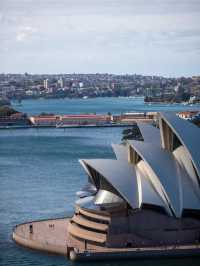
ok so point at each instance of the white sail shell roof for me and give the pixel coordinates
(188, 134)
(149, 133)
(159, 177)
(164, 173)
(121, 151)
(120, 175)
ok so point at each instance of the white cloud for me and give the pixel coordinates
(94, 35)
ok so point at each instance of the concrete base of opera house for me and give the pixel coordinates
(44, 235)
(52, 236)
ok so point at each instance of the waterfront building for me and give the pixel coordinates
(131, 117)
(84, 119)
(148, 196)
(145, 202)
(44, 120)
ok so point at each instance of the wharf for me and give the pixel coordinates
(74, 126)
(52, 236)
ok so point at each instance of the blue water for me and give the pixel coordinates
(98, 105)
(40, 173)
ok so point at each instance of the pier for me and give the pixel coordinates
(20, 120)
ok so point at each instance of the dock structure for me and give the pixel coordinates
(89, 120)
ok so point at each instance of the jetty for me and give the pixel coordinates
(21, 120)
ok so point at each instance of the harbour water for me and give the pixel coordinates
(40, 173)
(97, 105)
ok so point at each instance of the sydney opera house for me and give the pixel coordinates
(148, 196)
(147, 199)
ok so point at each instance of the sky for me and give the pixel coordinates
(148, 37)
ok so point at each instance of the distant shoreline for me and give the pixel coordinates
(100, 97)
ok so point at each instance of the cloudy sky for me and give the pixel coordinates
(160, 37)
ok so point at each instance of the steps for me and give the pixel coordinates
(87, 225)
(79, 219)
(95, 216)
(85, 234)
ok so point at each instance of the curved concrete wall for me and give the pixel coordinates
(47, 235)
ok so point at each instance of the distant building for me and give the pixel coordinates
(85, 119)
(46, 84)
(133, 117)
(81, 84)
(44, 120)
(61, 82)
(187, 114)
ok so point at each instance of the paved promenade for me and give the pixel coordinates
(52, 235)
(47, 235)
